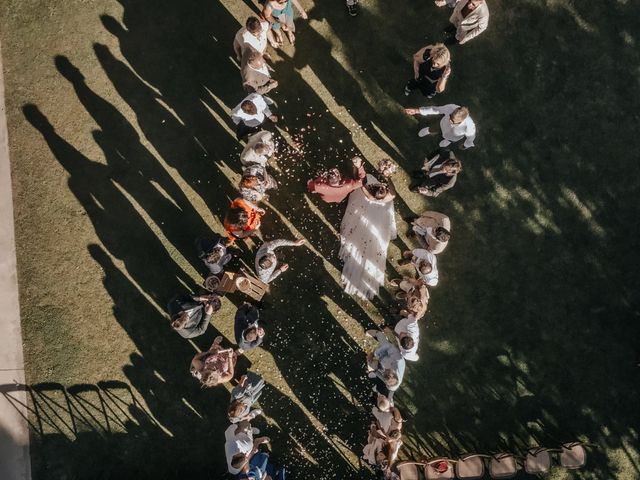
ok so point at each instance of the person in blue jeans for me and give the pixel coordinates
(259, 468)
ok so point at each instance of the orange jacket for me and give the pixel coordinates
(233, 232)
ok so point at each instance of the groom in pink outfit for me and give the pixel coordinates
(333, 187)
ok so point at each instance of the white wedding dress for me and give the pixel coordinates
(366, 230)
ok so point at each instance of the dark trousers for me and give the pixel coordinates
(427, 88)
(243, 131)
(450, 35)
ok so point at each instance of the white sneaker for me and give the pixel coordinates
(445, 143)
(255, 431)
(424, 132)
(371, 333)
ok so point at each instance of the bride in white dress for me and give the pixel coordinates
(367, 227)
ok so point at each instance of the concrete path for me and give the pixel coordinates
(15, 463)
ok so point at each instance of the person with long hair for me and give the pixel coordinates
(333, 187)
(215, 366)
(190, 314)
(242, 219)
(243, 396)
(367, 227)
(431, 70)
(438, 174)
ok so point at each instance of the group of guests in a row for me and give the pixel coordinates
(190, 314)
(398, 345)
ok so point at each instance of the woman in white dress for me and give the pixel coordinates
(367, 227)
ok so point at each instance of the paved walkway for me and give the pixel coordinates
(14, 435)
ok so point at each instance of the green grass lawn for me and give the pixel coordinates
(122, 154)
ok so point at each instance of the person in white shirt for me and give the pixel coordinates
(455, 125)
(238, 440)
(260, 147)
(251, 113)
(252, 35)
(408, 334)
(425, 264)
(266, 260)
(468, 20)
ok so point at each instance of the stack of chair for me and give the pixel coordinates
(474, 466)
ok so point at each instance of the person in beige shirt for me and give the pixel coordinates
(260, 147)
(256, 74)
(432, 230)
(469, 19)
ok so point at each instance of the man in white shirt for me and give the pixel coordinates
(251, 113)
(260, 147)
(408, 334)
(425, 264)
(455, 124)
(238, 440)
(240, 445)
(252, 35)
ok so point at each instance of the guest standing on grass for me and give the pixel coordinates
(190, 314)
(213, 252)
(256, 74)
(280, 14)
(425, 264)
(259, 468)
(259, 149)
(432, 230)
(255, 182)
(431, 70)
(416, 296)
(266, 263)
(332, 187)
(243, 396)
(241, 448)
(385, 365)
(242, 220)
(215, 366)
(407, 333)
(252, 36)
(468, 20)
(455, 125)
(353, 7)
(238, 442)
(248, 332)
(251, 113)
(438, 174)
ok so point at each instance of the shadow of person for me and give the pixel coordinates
(119, 226)
(177, 132)
(160, 373)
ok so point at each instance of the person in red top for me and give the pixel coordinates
(242, 220)
(333, 188)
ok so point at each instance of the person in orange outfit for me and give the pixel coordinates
(242, 219)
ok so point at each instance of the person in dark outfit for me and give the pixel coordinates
(438, 174)
(431, 70)
(213, 252)
(190, 314)
(249, 334)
